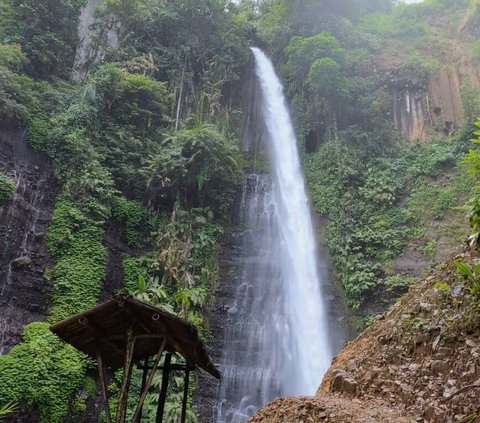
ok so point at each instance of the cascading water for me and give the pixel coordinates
(276, 337)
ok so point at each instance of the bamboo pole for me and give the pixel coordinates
(103, 385)
(148, 383)
(163, 390)
(185, 394)
(127, 376)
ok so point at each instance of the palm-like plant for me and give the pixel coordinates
(9, 408)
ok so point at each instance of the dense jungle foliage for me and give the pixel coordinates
(148, 141)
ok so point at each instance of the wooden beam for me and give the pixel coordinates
(103, 385)
(127, 376)
(132, 316)
(179, 367)
(163, 390)
(138, 337)
(99, 335)
(185, 395)
(145, 369)
(138, 410)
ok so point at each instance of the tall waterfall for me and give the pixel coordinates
(276, 337)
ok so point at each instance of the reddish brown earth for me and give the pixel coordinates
(329, 408)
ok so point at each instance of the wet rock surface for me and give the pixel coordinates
(206, 397)
(24, 293)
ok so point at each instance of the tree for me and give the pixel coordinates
(303, 51)
(47, 30)
(198, 167)
(326, 79)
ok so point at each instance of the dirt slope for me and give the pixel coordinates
(330, 408)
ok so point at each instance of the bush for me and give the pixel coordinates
(7, 188)
(42, 370)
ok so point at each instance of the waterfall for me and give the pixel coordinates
(276, 338)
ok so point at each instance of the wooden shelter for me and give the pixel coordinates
(125, 331)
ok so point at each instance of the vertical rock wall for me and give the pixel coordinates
(94, 42)
(420, 112)
(24, 294)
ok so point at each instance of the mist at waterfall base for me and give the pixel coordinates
(277, 340)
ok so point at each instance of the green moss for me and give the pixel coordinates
(79, 407)
(90, 386)
(139, 222)
(7, 188)
(75, 241)
(133, 268)
(43, 371)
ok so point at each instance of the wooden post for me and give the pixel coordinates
(144, 383)
(103, 385)
(185, 394)
(144, 374)
(127, 376)
(163, 390)
(146, 386)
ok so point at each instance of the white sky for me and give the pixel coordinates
(412, 1)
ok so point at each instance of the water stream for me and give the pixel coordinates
(276, 339)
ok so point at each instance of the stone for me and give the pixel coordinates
(343, 382)
(439, 366)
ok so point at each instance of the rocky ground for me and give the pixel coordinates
(420, 361)
(330, 408)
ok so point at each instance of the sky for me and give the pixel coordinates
(412, 1)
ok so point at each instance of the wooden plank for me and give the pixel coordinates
(127, 377)
(146, 387)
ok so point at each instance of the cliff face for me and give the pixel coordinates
(418, 110)
(90, 49)
(24, 294)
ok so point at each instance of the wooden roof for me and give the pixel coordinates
(106, 326)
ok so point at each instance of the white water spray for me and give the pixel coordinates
(276, 339)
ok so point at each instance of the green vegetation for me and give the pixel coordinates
(147, 143)
(472, 161)
(471, 275)
(369, 221)
(7, 187)
(46, 31)
(7, 409)
(42, 371)
(75, 242)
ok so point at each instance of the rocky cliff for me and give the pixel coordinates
(419, 110)
(24, 293)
